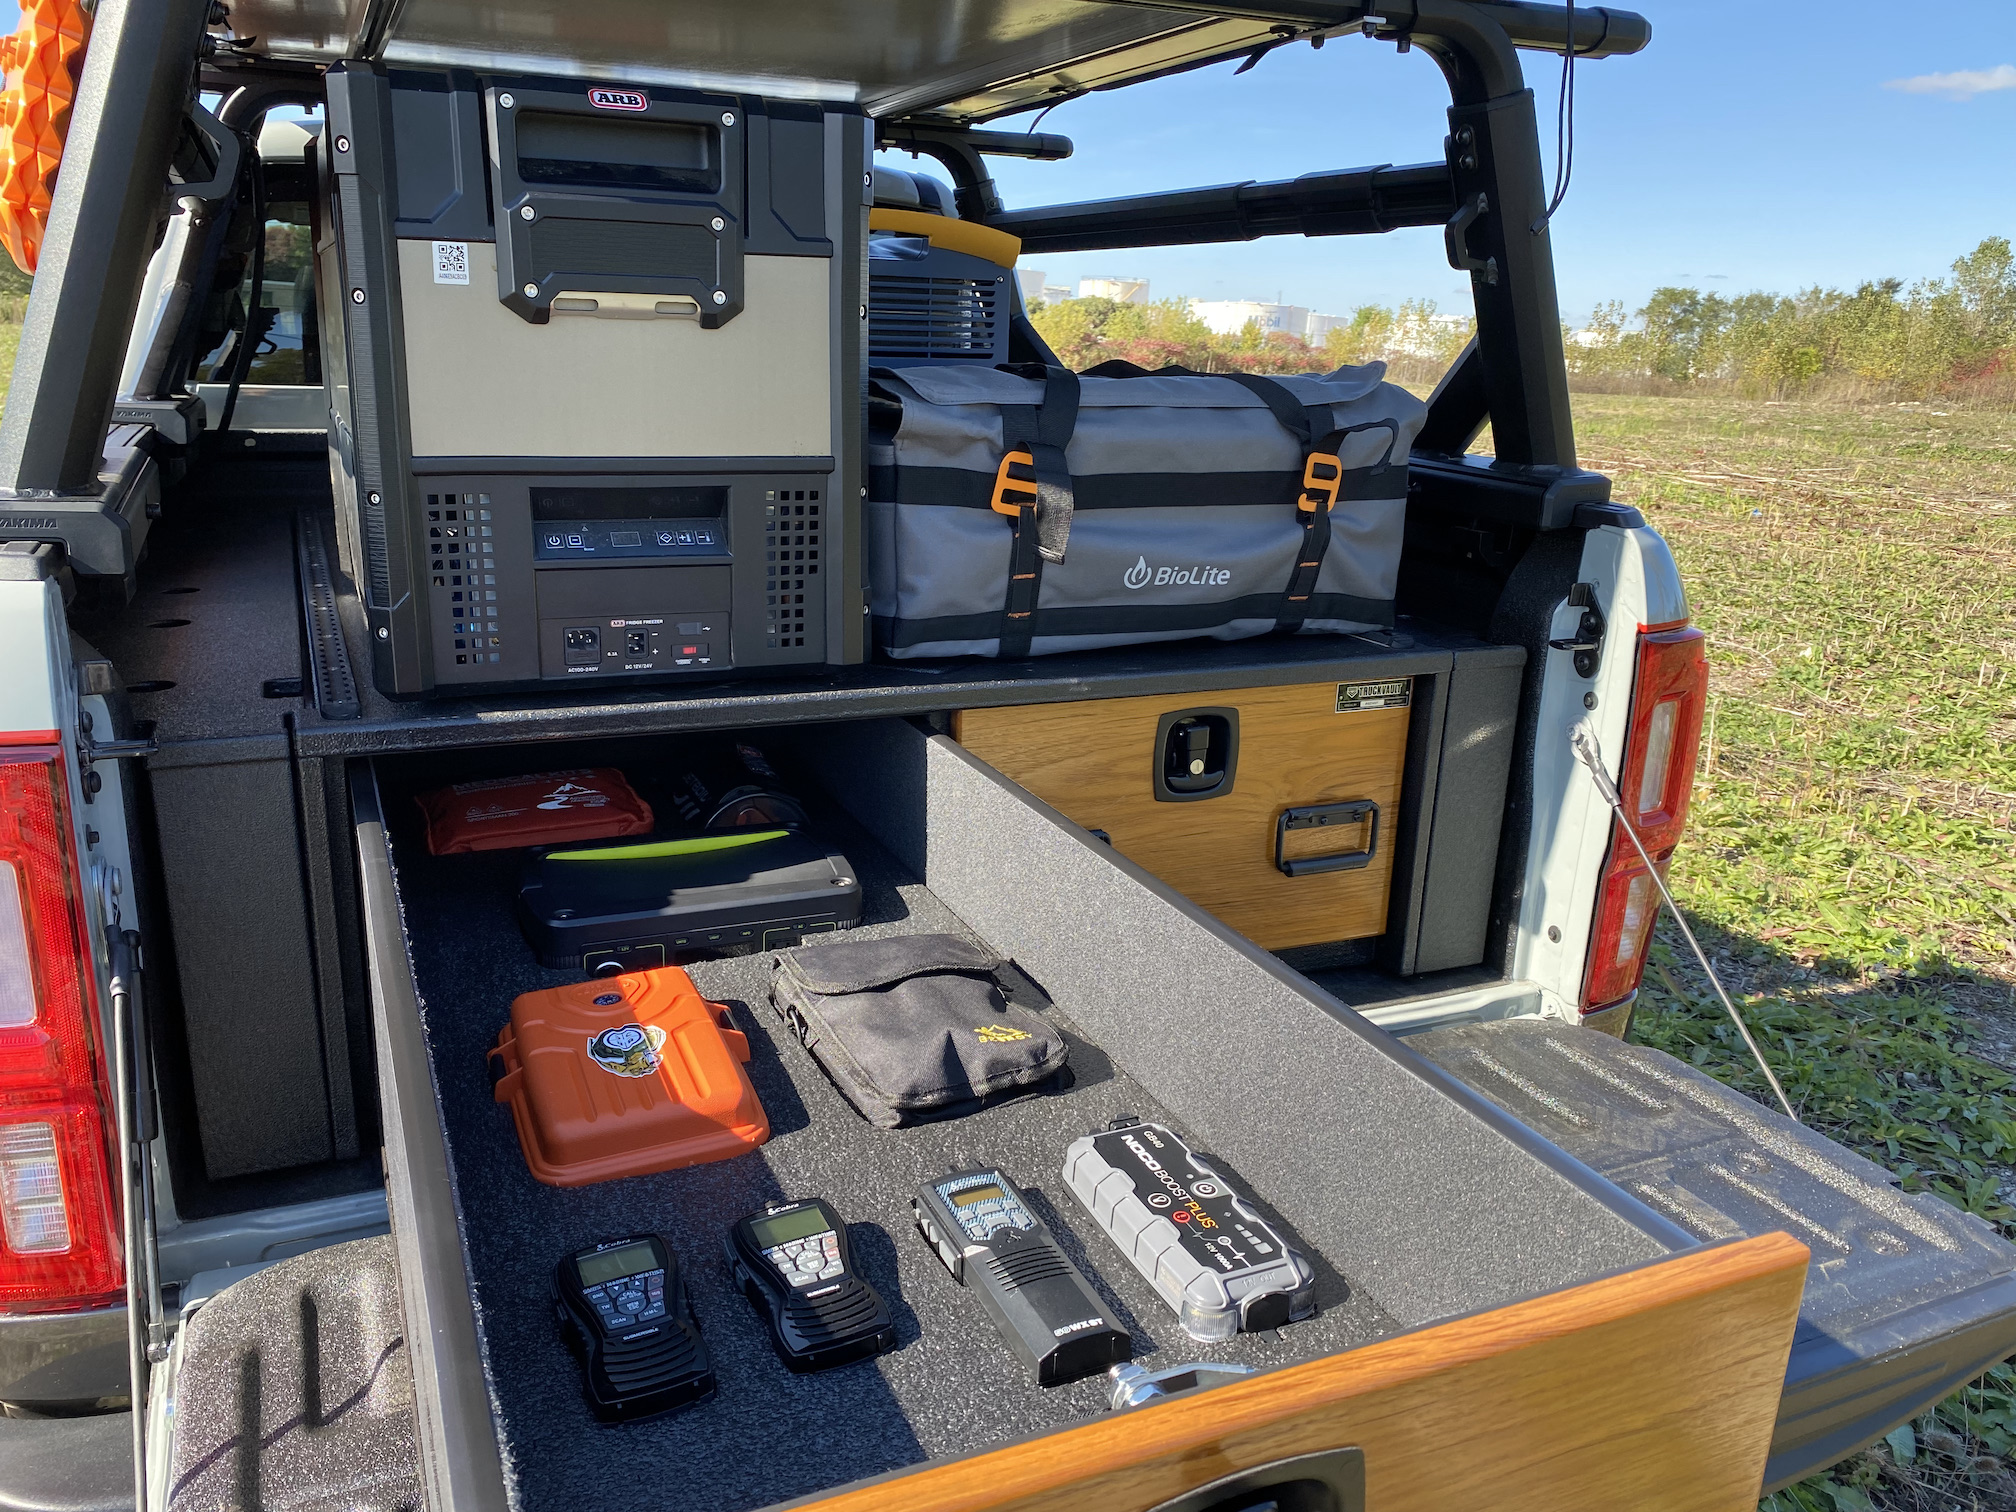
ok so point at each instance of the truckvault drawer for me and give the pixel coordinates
(1284, 829)
(1417, 1201)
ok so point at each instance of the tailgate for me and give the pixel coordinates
(1906, 1296)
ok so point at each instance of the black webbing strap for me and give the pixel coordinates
(1314, 425)
(1322, 482)
(1032, 487)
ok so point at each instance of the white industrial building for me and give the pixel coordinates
(1031, 281)
(1120, 290)
(1228, 317)
(1320, 327)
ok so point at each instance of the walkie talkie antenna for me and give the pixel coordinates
(1590, 753)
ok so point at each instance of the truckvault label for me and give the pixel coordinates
(619, 99)
(1394, 693)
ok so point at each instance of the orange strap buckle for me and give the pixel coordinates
(1322, 478)
(1023, 484)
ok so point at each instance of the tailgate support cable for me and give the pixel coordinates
(1590, 754)
(138, 1126)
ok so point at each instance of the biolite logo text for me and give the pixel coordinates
(1140, 575)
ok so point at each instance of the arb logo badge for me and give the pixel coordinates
(619, 99)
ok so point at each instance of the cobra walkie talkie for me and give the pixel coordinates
(624, 1307)
(983, 1230)
(792, 1260)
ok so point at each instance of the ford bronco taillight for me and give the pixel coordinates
(1668, 697)
(59, 1227)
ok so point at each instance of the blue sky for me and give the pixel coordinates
(1751, 146)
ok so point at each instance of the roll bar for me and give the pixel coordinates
(111, 199)
(1517, 376)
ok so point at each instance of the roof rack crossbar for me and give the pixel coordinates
(1354, 201)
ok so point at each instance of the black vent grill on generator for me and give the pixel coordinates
(462, 570)
(915, 318)
(791, 531)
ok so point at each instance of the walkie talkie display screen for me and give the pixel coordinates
(975, 1194)
(771, 1232)
(607, 1266)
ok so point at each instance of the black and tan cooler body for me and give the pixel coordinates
(593, 417)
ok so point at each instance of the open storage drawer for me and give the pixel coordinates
(1417, 1201)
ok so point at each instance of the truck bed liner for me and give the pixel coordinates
(1907, 1297)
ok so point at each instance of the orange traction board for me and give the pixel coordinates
(625, 1076)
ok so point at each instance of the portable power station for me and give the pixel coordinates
(594, 383)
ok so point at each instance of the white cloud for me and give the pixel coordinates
(1961, 85)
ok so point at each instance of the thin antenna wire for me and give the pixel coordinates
(1042, 113)
(1564, 130)
(1583, 739)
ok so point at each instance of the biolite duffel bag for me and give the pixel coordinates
(1020, 511)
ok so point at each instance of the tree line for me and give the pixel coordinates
(1952, 337)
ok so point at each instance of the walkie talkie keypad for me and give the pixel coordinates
(800, 1262)
(631, 1299)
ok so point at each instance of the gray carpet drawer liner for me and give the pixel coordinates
(1415, 1198)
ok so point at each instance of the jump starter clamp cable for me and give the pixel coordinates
(1590, 753)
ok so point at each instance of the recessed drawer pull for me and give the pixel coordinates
(1332, 1480)
(1326, 816)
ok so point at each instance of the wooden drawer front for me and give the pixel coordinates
(1095, 763)
(1654, 1390)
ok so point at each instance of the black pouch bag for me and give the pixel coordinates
(920, 1027)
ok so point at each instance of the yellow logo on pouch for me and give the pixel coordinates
(999, 1034)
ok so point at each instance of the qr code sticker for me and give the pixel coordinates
(451, 262)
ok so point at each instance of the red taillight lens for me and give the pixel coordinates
(1668, 699)
(59, 1214)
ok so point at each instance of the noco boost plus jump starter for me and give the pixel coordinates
(795, 1265)
(684, 504)
(620, 908)
(623, 1306)
(982, 1228)
(1199, 1243)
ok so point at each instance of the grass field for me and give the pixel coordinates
(10, 343)
(1851, 862)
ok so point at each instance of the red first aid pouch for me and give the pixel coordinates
(547, 808)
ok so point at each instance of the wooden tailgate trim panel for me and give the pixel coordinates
(1655, 1389)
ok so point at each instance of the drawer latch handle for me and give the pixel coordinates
(1327, 816)
(1330, 1481)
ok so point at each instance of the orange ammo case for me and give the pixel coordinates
(625, 1076)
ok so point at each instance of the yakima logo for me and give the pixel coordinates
(619, 99)
(1140, 575)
